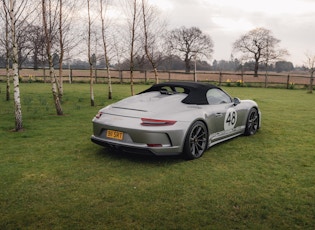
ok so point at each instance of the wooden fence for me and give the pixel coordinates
(285, 80)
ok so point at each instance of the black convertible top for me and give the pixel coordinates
(196, 92)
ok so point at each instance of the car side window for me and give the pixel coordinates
(217, 96)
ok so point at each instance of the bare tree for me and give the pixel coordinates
(22, 13)
(49, 36)
(151, 22)
(271, 55)
(132, 43)
(310, 63)
(7, 48)
(89, 54)
(24, 41)
(13, 12)
(190, 42)
(24, 21)
(66, 9)
(61, 49)
(104, 39)
(119, 49)
(260, 45)
(132, 14)
(37, 40)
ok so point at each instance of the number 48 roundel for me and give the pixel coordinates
(230, 119)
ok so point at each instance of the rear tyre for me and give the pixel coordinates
(196, 141)
(252, 123)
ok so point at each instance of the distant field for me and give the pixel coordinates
(282, 80)
(54, 177)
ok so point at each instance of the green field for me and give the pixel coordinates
(54, 177)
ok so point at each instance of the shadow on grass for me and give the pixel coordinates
(112, 154)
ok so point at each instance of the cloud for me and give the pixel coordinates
(291, 21)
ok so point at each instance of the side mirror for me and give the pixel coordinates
(236, 101)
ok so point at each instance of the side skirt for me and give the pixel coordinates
(212, 141)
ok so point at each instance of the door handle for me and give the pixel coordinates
(218, 115)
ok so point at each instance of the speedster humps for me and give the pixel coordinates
(175, 118)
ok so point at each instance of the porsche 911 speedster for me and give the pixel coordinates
(175, 118)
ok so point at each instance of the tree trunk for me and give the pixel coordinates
(110, 90)
(7, 66)
(256, 68)
(187, 65)
(17, 100)
(150, 58)
(311, 82)
(89, 56)
(105, 53)
(266, 75)
(91, 86)
(156, 75)
(131, 83)
(35, 57)
(48, 40)
(132, 46)
(8, 82)
(60, 85)
(54, 88)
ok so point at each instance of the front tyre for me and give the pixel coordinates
(252, 123)
(196, 141)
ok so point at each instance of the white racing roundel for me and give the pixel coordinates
(230, 119)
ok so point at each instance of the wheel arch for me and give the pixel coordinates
(188, 132)
(198, 119)
(259, 114)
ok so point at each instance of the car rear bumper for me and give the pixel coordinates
(136, 148)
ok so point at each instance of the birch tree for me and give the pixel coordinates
(132, 44)
(151, 22)
(7, 64)
(61, 49)
(6, 44)
(66, 9)
(133, 25)
(89, 54)
(48, 25)
(310, 63)
(13, 12)
(105, 46)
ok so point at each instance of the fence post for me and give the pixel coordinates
(121, 76)
(44, 74)
(169, 75)
(220, 78)
(288, 81)
(242, 77)
(145, 76)
(195, 74)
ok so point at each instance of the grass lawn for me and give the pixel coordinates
(53, 177)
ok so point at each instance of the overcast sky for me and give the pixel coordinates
(291, 21)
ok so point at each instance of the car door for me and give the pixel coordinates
(223, 115)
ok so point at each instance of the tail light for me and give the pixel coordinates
(98, 115)
(155, 122)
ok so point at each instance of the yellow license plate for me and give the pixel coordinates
(114, 134)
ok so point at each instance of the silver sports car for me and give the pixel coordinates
(174, 118)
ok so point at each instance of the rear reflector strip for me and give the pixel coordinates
(155, 122)
(154, 145)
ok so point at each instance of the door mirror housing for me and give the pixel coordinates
(236, 101)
